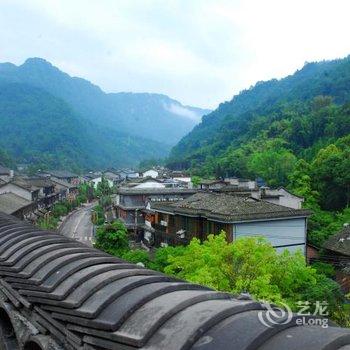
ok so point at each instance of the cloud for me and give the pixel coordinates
(198, 52)
(182, 112)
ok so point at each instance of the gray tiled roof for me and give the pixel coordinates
(91, 300)
(62, 183)
(22, 184)
(4, 170)
(340, 242)
(62, 174)
(10, 203)
(229, 208)
(38, 182)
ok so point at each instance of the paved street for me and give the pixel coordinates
(78, 225)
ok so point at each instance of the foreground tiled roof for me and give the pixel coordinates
(86, 299)
(229, 208)
(10, 203)
(340, 242)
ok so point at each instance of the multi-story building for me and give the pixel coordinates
(130, 203)
(206, 212)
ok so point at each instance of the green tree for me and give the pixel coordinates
(252, 265)
(103, 188)
(273, 163)
(59, 209)
(112, 238)
(137, 256)
(162, 256)
(331, 176)
(196, 180)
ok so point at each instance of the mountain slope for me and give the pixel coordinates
(233, 122)
(151, 116)
(41, 129)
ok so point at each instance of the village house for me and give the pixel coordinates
(62, 175)
(144, 182)
(64, 189)
(151, 173)
(241, 183)
(47, 196)
(17, 206)
(21, 189)
(113, 176)
(212, 184)
(5, 174)
(97, 179)
(206, 212)
(337, 253)
(126, 174)
(130, 203)
(280, 196)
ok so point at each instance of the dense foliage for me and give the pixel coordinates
(112, 238)
(5, 159)
(248, 265)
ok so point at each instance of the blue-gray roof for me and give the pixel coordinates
(91, 300)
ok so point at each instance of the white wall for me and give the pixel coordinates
(151, 173)
(289, 200)
(278, 232)
(150, 184)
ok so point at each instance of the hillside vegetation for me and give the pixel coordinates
(293, 132)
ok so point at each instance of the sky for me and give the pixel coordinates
(200, 52)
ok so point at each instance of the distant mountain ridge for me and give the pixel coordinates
(151, 116)
(39, 129)
(48, 118)
(234, 122)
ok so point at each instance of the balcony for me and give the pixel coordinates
(172, 239)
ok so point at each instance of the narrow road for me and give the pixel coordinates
(78, 225)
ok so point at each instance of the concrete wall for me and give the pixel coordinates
(278, 232)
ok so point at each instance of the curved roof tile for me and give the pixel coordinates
(86, 298)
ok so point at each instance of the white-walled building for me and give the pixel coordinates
(151, 173)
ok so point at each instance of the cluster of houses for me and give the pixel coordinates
(31, 197)
(163, 210)
(161, 207)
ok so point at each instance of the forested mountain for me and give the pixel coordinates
(252, 110)
(40, 129)
(293, 132)
(151, 116)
